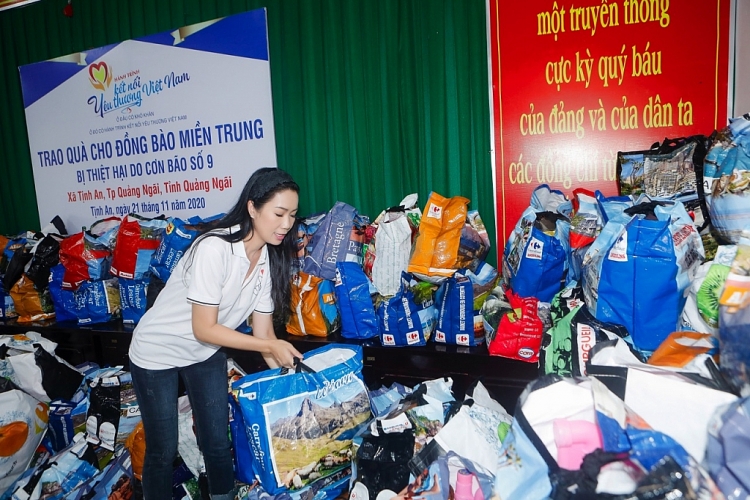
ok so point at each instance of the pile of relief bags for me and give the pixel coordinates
(635, 308)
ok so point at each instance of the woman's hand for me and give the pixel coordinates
(283, 352)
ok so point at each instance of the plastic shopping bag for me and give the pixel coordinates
(405, 319)
(435, 250)
(137, 240)
(636, 272)
(300, 424)
(358, 317)
(313, 305)
(330, 242)
(535, 259)
(88, 255)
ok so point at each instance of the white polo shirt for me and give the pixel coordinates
(214, 277)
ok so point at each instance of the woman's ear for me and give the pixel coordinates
(251, 209)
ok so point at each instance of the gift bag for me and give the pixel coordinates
(313, 306)
(392, 245)
(113, 411)
(725, 170)
(300, 423)
(178, 236)
(31, 304)
(23, 422)
(88, 255)
(97, 301)
(330, 242)
(133, 299)
(535, 259)
(636, 272)
(137, 240)
(358, 317)
(671, 170)
(435, 251)
(63, 300)
(519, 332)
(404, 319)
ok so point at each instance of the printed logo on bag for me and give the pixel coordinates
(435, 211)
(462, 339)
(412, 337)
(526, 352)
(683, 234)
(535, 249)
(439, 336)
(619, 251)
(586, 340)
(389, 339)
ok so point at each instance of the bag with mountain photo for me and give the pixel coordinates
(300, 423)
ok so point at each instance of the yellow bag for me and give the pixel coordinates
(436, 248)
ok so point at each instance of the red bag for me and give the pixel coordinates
(519, 334)
(137, 239)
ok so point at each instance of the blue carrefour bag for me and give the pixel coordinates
(407, 320)
(636, 271)
(358, 318)
(300, 423)
(536, 255)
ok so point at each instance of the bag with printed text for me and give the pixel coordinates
(354, 298)
(300, 423)
(518, 335)
(88, 255)
(137, 240)
(636, 272)
(535, 260)
(133, 300)
(338, 238)
(178, 236)
(408, 318)
(98, 301)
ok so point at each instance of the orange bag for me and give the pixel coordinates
(313, 305)
(436, 248)
(136, 445)
(681, 348)
(30, 303)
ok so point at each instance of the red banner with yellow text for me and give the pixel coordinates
(575, 82)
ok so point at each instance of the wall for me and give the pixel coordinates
(741, 103)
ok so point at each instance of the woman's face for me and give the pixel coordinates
(276, 218)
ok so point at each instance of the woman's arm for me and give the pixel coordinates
(276, 352)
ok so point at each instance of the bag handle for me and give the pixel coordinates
(299, 367)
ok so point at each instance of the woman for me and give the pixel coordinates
(241, 267)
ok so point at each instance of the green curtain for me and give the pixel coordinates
(373, 99)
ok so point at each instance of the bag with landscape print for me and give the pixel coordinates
(300, 423)
(137, 240)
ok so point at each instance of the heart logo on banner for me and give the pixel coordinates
(99, 74)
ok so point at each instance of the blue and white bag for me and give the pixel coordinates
(534, 261)
(406, 320)
(353, 296)
(725, 170)
(300, 423)
(636, 272)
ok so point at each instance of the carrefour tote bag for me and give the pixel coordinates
(636, 272)
(300, 425)
(536, 255)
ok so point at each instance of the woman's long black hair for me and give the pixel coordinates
(260, 188)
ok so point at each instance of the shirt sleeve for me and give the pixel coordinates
(207, 272)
